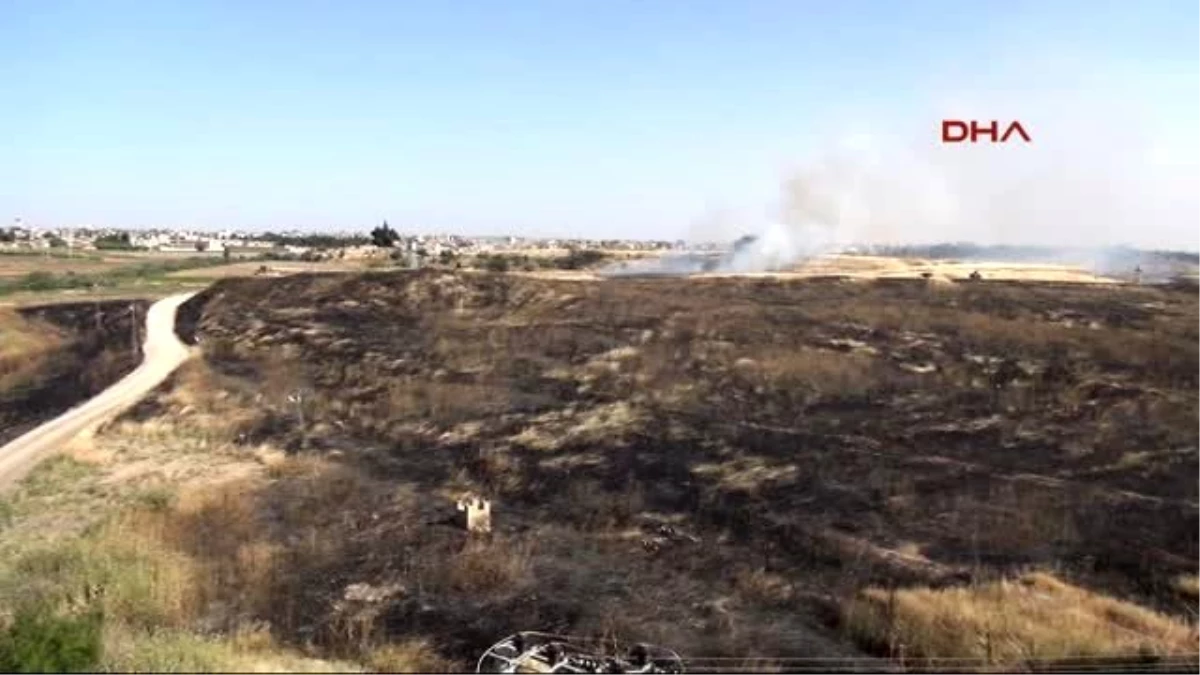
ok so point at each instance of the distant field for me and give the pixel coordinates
(37, 279)
(20, 265)
(249, 269)
(885, 267)
(145, 289)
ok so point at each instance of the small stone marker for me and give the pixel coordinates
(479, 513)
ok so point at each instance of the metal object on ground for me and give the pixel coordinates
(531, 652)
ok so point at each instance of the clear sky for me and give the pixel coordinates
(602, 118)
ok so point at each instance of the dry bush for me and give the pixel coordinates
(499, 565)
(588, 506)
(440, 403)
(410, 656)
(1008, 623)
(997, 335)
(822, 373)
(217, 553)
(131, 650)
(24, 347)
(763, 587)
(120, 568)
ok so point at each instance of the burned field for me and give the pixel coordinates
(59, 355)
(717, 465)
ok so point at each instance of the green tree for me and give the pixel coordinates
(496, 263)
(384, 236)
(114, 242)
(578, 259)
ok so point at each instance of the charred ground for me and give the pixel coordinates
(74, 351)
(715, 465)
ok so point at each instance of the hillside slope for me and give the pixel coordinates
(717, 465)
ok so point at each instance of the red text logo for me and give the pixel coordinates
(957, 131)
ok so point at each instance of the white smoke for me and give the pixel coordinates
(1113, 162)
(856, 190)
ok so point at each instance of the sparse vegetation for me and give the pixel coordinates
(731, 467)
(38, 641)
(575, 259)
(115, 242)
(52, 357)
(1189, 586)
(1017, 623)
(40, 280)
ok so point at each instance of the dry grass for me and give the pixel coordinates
(712, 464)
(251, 269)
(177, 559)
(20, 265)
(773, 420)
(763, 587)
(24, 346)
(409, 656)
(129, 650)
(483, 568)
(160, 554)
(1011, 622)
(1188, 585)
(822, 373)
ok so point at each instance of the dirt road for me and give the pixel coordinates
(162, 354)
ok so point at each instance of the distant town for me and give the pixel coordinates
(25, 236)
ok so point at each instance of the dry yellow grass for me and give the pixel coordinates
(886, 267)
(20, 265)
(1189, 586)
(250, 269)
(1010, 622)
(24, 344)
(128, 649)
(410, 656)
(766, 588)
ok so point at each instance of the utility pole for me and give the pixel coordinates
(133, 331)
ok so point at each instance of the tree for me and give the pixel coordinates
(119, 242)
(496, 263)
(579, 259)
(446, 256)
(384, 236)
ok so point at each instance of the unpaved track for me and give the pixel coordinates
(162, 354)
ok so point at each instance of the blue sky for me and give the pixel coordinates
(607, 118)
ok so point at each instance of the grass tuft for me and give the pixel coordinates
(1008, 623)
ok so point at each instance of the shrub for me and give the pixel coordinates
(41, 642)
(579, 259)
(496, 263)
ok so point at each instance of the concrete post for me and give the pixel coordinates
(478, 513)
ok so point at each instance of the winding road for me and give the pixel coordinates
(162, 353)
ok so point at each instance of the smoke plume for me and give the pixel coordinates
(1112, 164)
